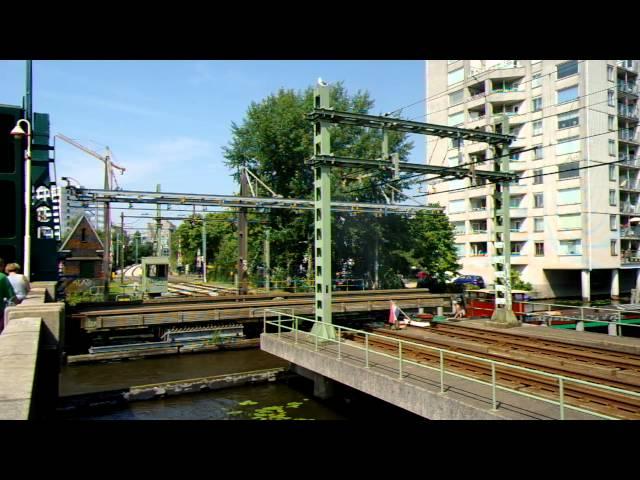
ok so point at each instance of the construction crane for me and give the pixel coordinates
(108, 176)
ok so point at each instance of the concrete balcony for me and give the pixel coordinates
(630, 257)
(629, 136)
(476, 100)
(629, 184)
(506, 96)
(633, 232)
(627, 207)
(627, 160)
(628, 66)
(627, 88)
(628, 112)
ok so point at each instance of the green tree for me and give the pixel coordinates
(274, 140)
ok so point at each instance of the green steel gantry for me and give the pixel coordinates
(322, 116)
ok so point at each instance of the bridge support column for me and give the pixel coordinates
(323, 387)
(615, 284)
(586, 285)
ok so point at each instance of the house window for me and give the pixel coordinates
(539, 249)
(517, 225)
(567, 69)
(613, 222)
(538, 200)
(537, 177)
(568, 145)
(568, 170)
(538, 224)
(612, 173)
(612, 148)
(537, 127)
(456, 97)
(610, 98)
(536, 81)
(612, 198)
(611, 123)
(83, 235)
(567, 94)
(568, 119)
(614, 247)
(569, 196)
(460, 249)
(570, 247)
(459, 228)
(455, 76)
(610, 76)
(537, 104)
(515, 201)
(570, 222)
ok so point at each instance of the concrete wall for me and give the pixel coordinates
(19, 346)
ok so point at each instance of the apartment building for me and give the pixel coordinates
(574, 230)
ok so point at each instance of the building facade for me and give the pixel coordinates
(82, 251)
(575, 226)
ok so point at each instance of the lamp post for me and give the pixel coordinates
(18, 132)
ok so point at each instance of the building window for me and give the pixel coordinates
(478, 249)
(460, 249)
(612, 123)
(459, 228)
(537, 127)
(537, 152)
(567, 69)
(455, 76)
(570, 222)
(517, 225)
(612, 148)
(515, 201)
(537, 104)
(612, 198)
(517, 248)
(613, 222)
(612, 173)
(568, 119)
(568, 170)
(614, 247)
(456, 119)
(569, 196)
(538, 224)
(456, 97)
(568, 145)
(539, 249)
(567, 94)
(538, 200)
(537, 177)
(536, 81)
(611, 98)
(610, 74)
(570, 247)
(83, 235)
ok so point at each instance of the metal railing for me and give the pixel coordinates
(627, 160)
(629, 112)
(631, 256)
(629, 184)
(627, 135)
(630, 232)
(627, 87)
(562, 380)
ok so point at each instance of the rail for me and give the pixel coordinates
(562, 380)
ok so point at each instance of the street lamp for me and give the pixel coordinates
(18, 132)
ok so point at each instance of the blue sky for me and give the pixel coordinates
(167, 121)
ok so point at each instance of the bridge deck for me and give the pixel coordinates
(419, 389)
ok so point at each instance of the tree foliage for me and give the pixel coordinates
(273, 140)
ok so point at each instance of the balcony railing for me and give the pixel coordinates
(630, 232)
(631, 256)
(627, 64)
(628, 160)
(476, 95)
(628, 87)
(478, 117)
(630, 184)
(478, 208)
(507, 90)
(627, 207)
(627, 135)
(629, 112)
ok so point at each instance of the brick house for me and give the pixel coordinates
(82, 251)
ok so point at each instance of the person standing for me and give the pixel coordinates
(19, 282)
(7, 294)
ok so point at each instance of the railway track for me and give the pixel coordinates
(608, 403)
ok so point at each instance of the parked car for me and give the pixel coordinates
(476, 280)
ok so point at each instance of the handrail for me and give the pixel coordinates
(562, 379)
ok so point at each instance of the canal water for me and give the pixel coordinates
(290, 399)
